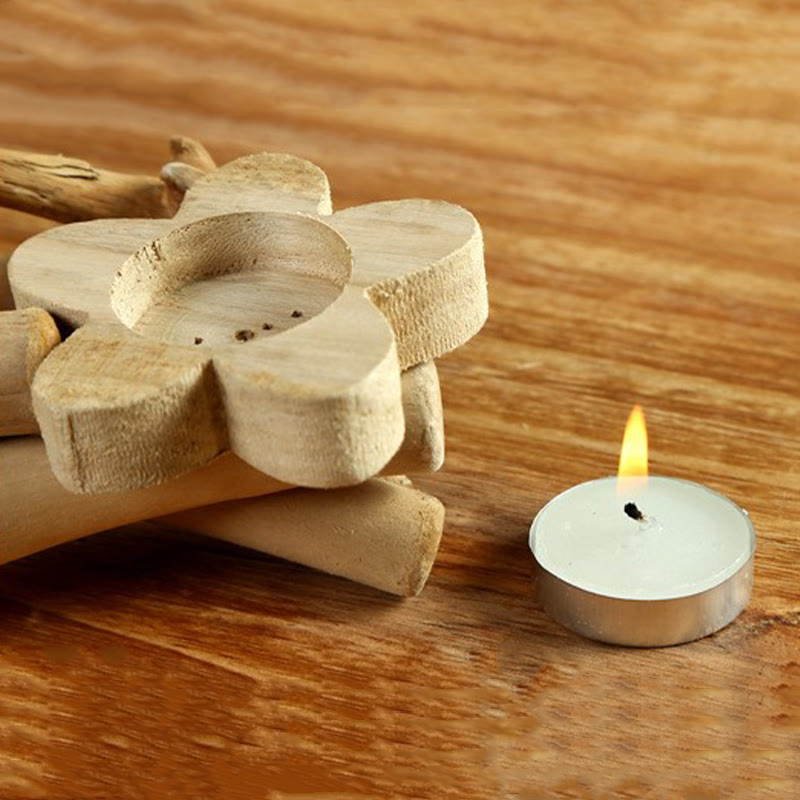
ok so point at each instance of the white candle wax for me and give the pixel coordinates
(691, 540)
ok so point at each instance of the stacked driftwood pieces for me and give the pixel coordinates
(229, 337)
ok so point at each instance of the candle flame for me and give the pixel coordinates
(633, 456)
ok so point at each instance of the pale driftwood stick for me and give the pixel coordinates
(191, 152)
(26, 337)
(380, 533)
(422, 449)
(71, 190)
(36, 512)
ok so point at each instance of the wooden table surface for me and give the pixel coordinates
(636, 170)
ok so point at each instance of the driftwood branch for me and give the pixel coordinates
(71, 190)
(192, 153)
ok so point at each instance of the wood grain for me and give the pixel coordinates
(635, 169)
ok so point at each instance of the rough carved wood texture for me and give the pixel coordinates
(635, 170)
(157, 380)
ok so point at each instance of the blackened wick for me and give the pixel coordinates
(632, 510)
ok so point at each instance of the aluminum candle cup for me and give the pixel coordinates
(643, 562)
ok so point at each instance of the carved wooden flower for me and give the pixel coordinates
(254, 320)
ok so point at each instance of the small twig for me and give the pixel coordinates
(191, 152)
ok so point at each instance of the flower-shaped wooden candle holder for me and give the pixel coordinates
(254, 321)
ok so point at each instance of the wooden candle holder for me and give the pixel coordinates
(253, 321)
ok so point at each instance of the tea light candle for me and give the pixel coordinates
(642, 561)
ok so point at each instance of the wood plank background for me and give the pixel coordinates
(636, 168)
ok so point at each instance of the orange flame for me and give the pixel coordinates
(633, 456)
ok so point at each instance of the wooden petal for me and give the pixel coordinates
(258, 182)
(118, 411)
(68, 270)
(320, 404)
(421, 262)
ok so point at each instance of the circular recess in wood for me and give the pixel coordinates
(229, 279)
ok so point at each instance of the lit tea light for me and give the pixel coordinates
(642, 561)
